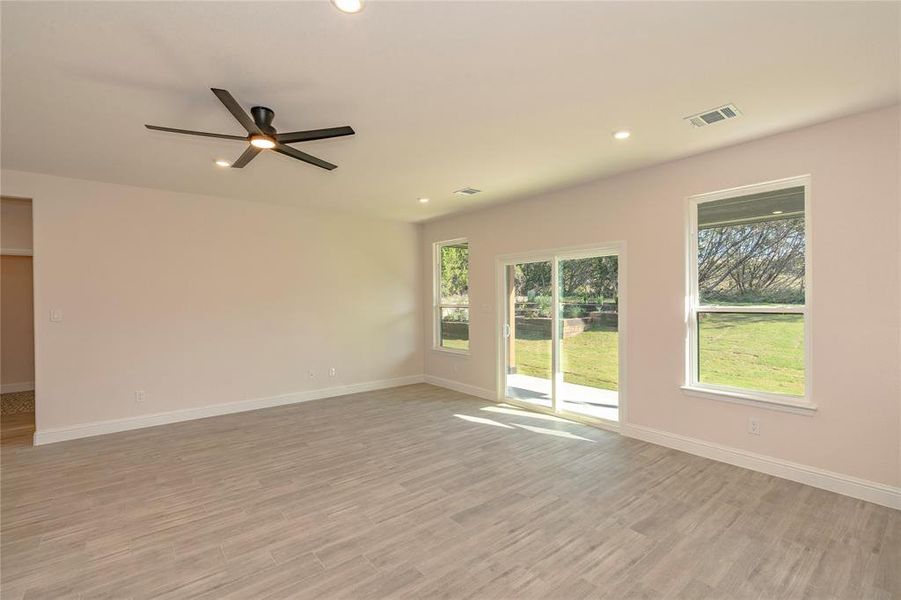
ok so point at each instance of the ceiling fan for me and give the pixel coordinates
(261, 135)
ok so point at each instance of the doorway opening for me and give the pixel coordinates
(561, 332)
(17, 398)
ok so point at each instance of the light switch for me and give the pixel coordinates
(56, 315)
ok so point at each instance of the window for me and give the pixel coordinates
(452, 295)
(749, 289)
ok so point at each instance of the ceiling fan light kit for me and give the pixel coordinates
(348, 6)
(261, 135)
(261, 141)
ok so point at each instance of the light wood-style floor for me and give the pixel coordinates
(17, 429)
(420, 492)
(17, 418)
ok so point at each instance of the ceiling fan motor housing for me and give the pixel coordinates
(263, 116)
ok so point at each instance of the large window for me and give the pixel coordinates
(749, 291)
(452, 295)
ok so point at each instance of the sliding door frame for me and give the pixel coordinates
(554, 256)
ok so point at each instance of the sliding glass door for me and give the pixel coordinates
(527, 332)
(560, 332)
(588, 314)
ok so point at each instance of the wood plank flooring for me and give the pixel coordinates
(17, 429)
(421, 492)
(17, 418)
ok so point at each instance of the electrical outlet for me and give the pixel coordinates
(754, 426)
(56, 315)
(332, 372)
(139, 396)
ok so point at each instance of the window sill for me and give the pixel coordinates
(450, 351)
(768, 401)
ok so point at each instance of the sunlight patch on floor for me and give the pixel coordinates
(524, 413)
(554, 432)
(483, 421)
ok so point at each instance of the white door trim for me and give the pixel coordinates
(554, 255)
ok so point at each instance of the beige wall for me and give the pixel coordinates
(15, 224)
(16, 322)
(201, 301)
(856, 309)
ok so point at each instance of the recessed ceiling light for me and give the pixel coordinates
(622, 135)
(261, 141)
(777, 212)
(223, 163)
(423, 200)
(348, 6)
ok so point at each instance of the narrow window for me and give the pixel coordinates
(749, 291)
(452, 295)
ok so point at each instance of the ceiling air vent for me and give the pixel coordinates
(709, 117)
(467, 191)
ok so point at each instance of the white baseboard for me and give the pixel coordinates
(871, 491)
(461, 387)
(48, 436)
(22, 386)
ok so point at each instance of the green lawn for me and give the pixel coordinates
(455, 344)
(590, 358)
(761, 352)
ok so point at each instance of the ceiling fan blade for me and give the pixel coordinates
(246, 157)
(201, 133)
(289, 151)
(235, 109)
(314, 134)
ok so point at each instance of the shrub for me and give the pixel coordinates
(543, 303)
(573, 311)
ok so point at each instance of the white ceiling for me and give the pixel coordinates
(511, 98)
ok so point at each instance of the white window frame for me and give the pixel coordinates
(436, 295)
(800, 404)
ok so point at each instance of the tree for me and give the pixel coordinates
(606, 273)
(589, 278)
(577, 277)
(455, 272)
(752, 262)
(533, 279)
